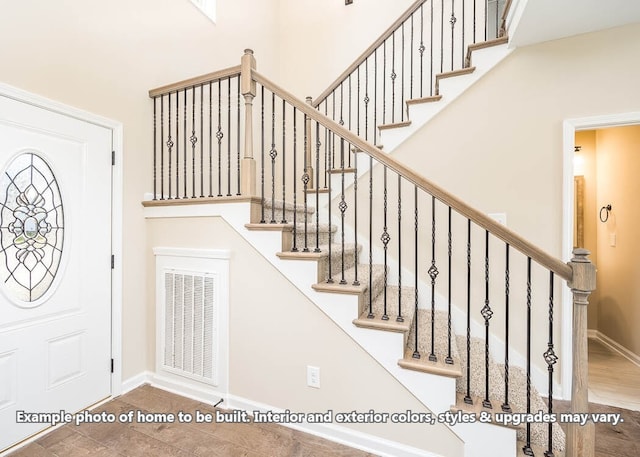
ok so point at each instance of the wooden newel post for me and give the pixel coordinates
(248, 89)
(307, 152)
(580, 439)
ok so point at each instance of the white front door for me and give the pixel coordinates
(55, 266)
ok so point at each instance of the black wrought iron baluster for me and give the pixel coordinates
(506, 407)
(343, 207)
(262, 149)
(433, 274)
(441, 36)
(273, 153)
(210, 139)
(341, 121)
(463, 45)
(416, 351)
(385, 238)
(411, 61)
(184, 140)
(305, 182)
(467, 398)
(228, 137)
(431, 59)
(422, 48)
(475, 16)
(177, 145)
(349, 123)
(194, 140)
(358, 104)
(375, 97)
(527, 447)
(238, 140)
(295, 170)
(551, 359)
(219, 136)
(331, 140)
(486, 314)
(356, 282)
(330, 259)
(399, 317)
(327, 145)
(402, 77)
(366, 99)
(393, 77)
(155, 149)
(449, 359)
(202, 141)
(486, 20)
(170, 144)
(452, 21)
(384, 82)
(317, 248)
(370, 315)
(497, 19)
(284, 169)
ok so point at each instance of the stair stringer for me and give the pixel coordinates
(450, 88)
(437, 393)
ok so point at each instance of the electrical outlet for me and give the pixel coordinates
(313, 376)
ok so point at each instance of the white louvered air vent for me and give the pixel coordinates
(190, 327)
(192, 295)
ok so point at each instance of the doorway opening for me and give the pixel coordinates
(604, 219)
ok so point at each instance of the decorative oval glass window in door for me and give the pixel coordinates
(31, 228)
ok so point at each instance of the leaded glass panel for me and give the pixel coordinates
(31, 227)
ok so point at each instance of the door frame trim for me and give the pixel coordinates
(569, 129)
(116, 210)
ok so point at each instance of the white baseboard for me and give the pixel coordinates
(614, 346)
(136, 381)
(338, 434)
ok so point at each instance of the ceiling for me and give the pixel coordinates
(535, 21)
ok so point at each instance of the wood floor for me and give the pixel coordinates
(613, 379)
(177, 439)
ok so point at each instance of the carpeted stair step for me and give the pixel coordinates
(477, 407)
(289, 242)
(517, 391)
(361, 288)
(518, 403)
(420, 360)
(322, 257)
(279, 212)
(398, 319)
(477, 371)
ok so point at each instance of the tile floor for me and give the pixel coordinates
(177, 439)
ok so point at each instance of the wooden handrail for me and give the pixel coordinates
(188, 83)
(412, 9)
(500, 231)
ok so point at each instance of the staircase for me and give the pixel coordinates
(420, 280)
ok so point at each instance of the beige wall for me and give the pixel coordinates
(275, 332)
(618, 161)
(499, 146)
(320, 39)
(103, 57)
(587, 159)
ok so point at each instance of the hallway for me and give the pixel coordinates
(613, 379)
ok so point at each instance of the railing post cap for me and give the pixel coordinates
(309, 100)
(580, 255)
(248, 51)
